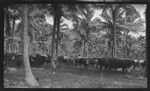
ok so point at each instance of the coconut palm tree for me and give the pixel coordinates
(113, 21)
(39, 29)
(135, 24)
(56, 12)
(83, 26)
(30, 79)
(12, 13)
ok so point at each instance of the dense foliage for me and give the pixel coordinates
(89, 36)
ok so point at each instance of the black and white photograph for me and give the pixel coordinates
(75, 45)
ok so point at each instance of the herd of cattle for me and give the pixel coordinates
(101, 63)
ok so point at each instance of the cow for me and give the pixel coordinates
(81, 62)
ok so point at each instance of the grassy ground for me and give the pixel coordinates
(74, 77)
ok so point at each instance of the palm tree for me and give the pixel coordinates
(112, 20)
(54, 37)
(83, 26)
(30, 79)
(63, 37)
(38, 27)
(56, 12)
(142, 46)
(135, 24)
(12, 13)
(110, 13)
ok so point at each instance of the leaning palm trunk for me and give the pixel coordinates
(28, 73)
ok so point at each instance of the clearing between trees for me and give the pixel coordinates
(66, 76)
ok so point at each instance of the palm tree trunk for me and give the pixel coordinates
(9, 48)
(57, 44)
(147, 46)
(8, 28)
(83, 48)
(58, 22)
(114, 32)
(49, 50)
(36, 47)
(126, 45)
(17, 48)
(30, 79)
(58, 15)
(13, 26)
(53, 43)
(29, 46)
(87, 51)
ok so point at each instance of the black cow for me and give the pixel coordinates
(121, 63)
(114, 63)
(80, 62)
(18, 60)
(37, 60)
(103, 63)
(92, 62)
(99, 63)
(12, 60)
(142, 63)
(61, 60)
(68, 60)
(32, 59)
(106, 62)
(8, 60)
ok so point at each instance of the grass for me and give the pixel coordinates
(74, 77)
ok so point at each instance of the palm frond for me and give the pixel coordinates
(133, 27)
(106, 16)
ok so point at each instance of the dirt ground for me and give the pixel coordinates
(77, 77)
